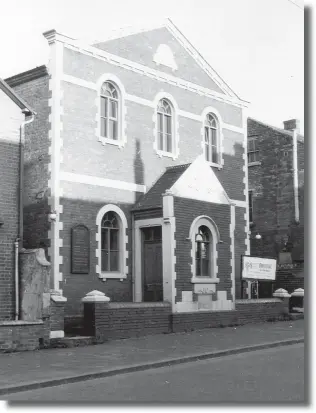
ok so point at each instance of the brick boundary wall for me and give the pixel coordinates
(247, 311)
(22, 335)
(107, 321)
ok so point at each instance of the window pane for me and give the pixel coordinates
(168, 124)
(214, 140)
(198, 268)
(113, 129)
(206, 135)
(104, 238)
(160, 120)
(168, 143)
(157, 233)
(104, 261)
(114, 261)
(205, 267)
(214, 155)
(113, 109)
(160, 141)
(103, 127)
(114, 239)
(251, 157)
(104, 107)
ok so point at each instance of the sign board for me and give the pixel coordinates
(80, 249)
(256, 268)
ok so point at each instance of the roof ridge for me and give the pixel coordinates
(276, 128)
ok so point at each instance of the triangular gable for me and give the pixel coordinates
(165, 48)
(199, 182)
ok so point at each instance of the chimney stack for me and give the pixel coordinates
(291, 125)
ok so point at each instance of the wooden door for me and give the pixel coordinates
(152, 264)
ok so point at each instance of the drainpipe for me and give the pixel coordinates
(19, 241)
(295, 178)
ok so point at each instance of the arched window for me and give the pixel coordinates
(112, 241)
(165, 126)
(109, 122)
(203, 252)
(204, 236)
(211, 141)
(110, 250)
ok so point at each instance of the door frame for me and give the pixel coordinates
(137, 254)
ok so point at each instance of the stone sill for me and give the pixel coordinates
(257, 163)
(204, 280)
(20, 323)
(257, 300)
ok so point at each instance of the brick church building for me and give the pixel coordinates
(135, 171)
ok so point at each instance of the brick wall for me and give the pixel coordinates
(290, 279)
(10, 122)
(240, 246)
(186, 210)
(9, 231)
(76, 286)
(272, 186)
(108, 321)
(34, 90)
(22, 335)
(247, 311)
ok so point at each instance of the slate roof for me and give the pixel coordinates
(284, 131)
(153, 198)
(16, 98)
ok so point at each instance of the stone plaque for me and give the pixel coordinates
(80, 249)
(204, 289)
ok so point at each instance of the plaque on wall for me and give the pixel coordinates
(80, 249)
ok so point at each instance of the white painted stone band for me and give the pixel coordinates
(104, 182)
(145, 102)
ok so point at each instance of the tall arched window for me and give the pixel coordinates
(110, 250)
(112, 241)
(204, 236)
(109, 122)
(165, 126)
(211, 139)
(203, 240)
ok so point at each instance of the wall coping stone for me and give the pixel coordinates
(257, 300)
(139, 305)
(299, 292)
(281, 293)
(95, 296)
(14, 323)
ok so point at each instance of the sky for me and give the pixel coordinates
(256, 46)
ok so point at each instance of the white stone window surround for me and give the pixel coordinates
(210, 224)
(174, 124)
(220, 146)
(120, 142)
(123, 240)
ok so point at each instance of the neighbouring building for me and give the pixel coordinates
(276, 190)
(14, 115)
(135, 171)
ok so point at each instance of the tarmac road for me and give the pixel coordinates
(270, 375)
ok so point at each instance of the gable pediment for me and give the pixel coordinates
(199, 182)
(165, 49)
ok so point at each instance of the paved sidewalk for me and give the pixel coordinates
(36, 369)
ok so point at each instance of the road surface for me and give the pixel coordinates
(271, 375)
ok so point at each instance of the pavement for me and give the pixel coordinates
(273, 375)
(51, 367)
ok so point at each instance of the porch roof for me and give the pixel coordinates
(153, 198)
